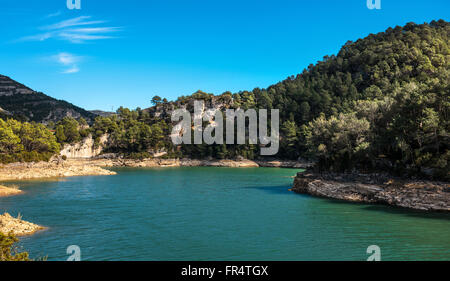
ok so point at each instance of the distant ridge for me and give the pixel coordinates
(26, 104)
(102, 113)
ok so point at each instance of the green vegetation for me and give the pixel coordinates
(156, 100)
(398, 117)
(133, 132)
(26, 142)
(69, 130)
(8, 251)
(39, 107)
(382, 103)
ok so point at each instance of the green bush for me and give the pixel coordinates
(8, 250)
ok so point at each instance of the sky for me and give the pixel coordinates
(121, 53)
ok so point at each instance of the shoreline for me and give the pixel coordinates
(376, 189)
(96, 167)
(6, 191)
(43, 170)
(156, 162)
(363, 188)
(17, 226)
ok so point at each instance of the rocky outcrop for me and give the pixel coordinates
(24, 171)
(17, 226)
(102, 113)
(376, 188)
(9, 191)
(84, 149)
(4, 112)
(164, 110)
(285, 164)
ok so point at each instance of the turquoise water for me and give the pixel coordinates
(205, 213)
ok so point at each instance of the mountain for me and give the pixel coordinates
(28, 105)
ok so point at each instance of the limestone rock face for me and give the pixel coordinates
(419, 195)
(84, 149)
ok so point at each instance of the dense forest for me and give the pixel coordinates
(26, 142)
(381, 103)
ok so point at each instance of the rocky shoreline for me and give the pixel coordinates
(9, 191)
(376, 188)
(26, 171)
(17, 226)
(156, 162)
(90, 167)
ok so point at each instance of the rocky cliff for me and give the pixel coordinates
(84, 149)
(376, 188)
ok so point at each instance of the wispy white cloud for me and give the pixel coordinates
(73, 69)
(95, 29)
(81, 38)
(81, 20)
(69, 61)
(72, 30)
(37, 37)
(67, 58)
(58, 13)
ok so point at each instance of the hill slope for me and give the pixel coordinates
(383, 102)
(25, 104)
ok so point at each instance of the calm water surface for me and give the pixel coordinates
(205, 213)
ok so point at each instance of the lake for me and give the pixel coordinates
(206, 213)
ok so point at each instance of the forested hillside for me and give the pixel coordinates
(383, 102)
(27, 105)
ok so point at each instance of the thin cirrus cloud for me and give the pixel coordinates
(58, 13)
(68, 61)
(75, 30)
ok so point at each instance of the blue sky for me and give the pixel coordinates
(113, 53)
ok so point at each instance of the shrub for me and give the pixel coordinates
(8, 250)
